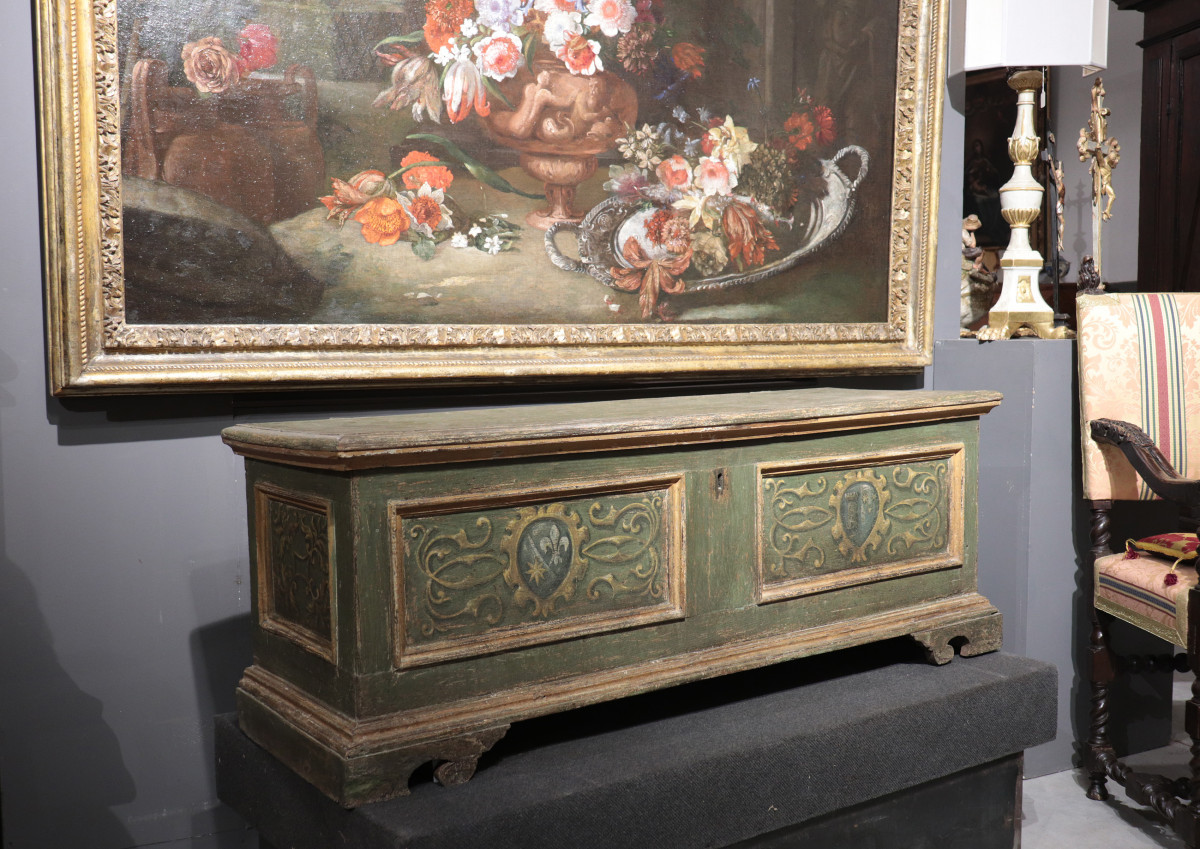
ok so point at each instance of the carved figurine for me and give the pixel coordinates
(1060, 190)
(1102, 153)
(1089, 277)
(978, 284)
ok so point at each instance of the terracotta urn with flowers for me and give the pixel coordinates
(547, 78)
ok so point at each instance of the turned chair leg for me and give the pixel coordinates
(1189, 825)
(1099, 752)
(1099, 748)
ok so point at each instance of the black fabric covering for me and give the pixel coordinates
(704, 765)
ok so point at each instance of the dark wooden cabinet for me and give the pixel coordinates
(1169, 222)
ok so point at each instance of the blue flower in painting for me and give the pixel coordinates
(669, 134)
(704, 114)
(500, 15)
(681, 114)
(752, 83)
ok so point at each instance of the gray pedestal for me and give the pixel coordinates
(751, 759)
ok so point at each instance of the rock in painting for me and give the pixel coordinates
(232, 271)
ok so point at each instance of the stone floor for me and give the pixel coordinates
(1057, 814)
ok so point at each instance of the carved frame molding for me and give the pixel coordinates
(93, 350)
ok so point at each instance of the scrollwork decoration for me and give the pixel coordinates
(793, 521)
(822, 522)
(921, 513)
(299, 568)
(636, 529)
(510, 567)
(454, 566)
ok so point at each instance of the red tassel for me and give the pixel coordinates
(1170, 579)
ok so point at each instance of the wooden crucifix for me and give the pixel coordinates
(1102, 153)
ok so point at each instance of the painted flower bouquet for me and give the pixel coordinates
(708, 200)
(466, 48)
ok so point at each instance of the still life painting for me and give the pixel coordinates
(404, 190)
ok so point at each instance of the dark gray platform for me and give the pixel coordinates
(705, 765)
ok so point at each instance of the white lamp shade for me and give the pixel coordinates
(1028, 33)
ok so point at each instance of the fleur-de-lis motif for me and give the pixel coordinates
(548, 554)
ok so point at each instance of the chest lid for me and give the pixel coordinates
(482, 433)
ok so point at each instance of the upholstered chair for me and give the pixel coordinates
(1139, 384)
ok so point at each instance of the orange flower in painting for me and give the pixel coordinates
(426, 210)
(826, 127)
(437, 176)
(650, 277)
(443, 20)
(383, 220)
(748, 239)
(800, 130)
(688, 58)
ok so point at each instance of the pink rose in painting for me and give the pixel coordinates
(675, 173)
(257, 48)
(500, 56)
(209, 66)
(613, 17)
(714, 176)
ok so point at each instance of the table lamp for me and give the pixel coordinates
(1025, 36)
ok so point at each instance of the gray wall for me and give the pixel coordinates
(123, 575)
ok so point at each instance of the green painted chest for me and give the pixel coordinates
(423, 580)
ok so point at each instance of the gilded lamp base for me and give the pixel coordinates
(1021, 306)
(1021, 309)
(1005, 325)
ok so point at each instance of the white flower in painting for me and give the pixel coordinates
(500, 15)
(613, 17)
(492, 245)
(460, 240)
(561, 27)
(452, 51)
(469, 28)
(474, 231)
(732, 143)
(428, 210)
(462, 89)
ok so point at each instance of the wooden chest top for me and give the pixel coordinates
(541, 429)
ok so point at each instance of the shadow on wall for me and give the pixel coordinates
(220, 652)
(66, 760)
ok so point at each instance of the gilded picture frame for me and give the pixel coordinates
(475, 268)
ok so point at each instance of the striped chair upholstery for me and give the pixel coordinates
(1139, 362)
